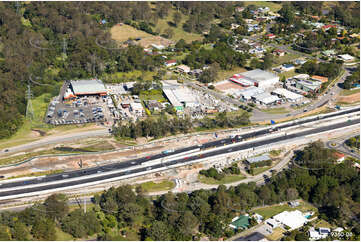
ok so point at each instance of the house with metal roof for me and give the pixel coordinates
(240, 222)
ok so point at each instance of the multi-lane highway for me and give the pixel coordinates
(68, 179)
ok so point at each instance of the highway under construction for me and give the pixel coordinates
(239, 144)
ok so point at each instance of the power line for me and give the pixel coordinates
(29, 106)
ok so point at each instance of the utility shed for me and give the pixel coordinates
(88, 87)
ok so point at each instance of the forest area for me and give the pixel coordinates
(126, 213)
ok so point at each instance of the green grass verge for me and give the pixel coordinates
(227, 179)
(349, 92)
(259, 170)
(40, 173)
(275, 110)
(157, 186)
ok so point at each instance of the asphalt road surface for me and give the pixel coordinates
(131, 163)
(126, 164)
(56, 140)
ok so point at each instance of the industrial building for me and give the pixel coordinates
(265, 98)
(309, 86)
(257, 77)
(178, 95)
(288, 95)
(249, 92)
(88, 87)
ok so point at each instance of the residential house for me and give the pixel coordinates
(329, 53)
(183, 69)
(288, 67)
(270, 36)
(279, 52)
(339, 156)
(328, 26)
(170, 63)
(320, 233)
(346, 57)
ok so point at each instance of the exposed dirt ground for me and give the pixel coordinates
(349, 99)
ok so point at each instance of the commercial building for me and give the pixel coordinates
(88, 87)
(309, 86)
(260, 78)
(178, 95)
(136, 108)
(265, 98)
(249, 92)
(288, 95)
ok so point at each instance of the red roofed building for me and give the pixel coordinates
(328, 26)
(339, 156)
(270, 36)
(170, 63)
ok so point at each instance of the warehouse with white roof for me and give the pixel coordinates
(178, 95)
(265, 98)
(249, 92)
(261, 78)
(288, 95)
(88, 87)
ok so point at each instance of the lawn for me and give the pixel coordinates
(227, 179)
(287, 74)
(120, 77)
(345, 92)
(276, 235)
(284, 59)
(154, 94)
(259, 170)
(225, 74)
(179, 33)
(124, 32)
(323, 224)
(157, 186)
(270, 211)
(62, 236)
(274, 7)
(275, 110)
